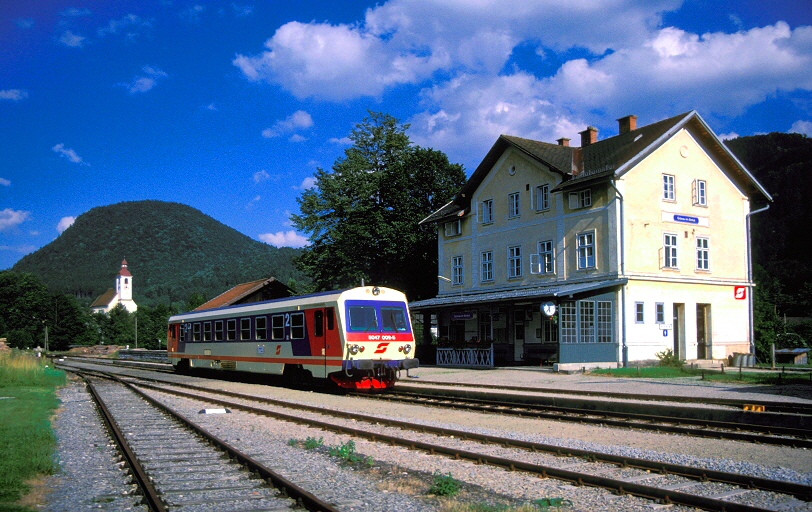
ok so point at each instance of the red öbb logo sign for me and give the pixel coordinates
(740, 292)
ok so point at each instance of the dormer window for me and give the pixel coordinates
(580, 199)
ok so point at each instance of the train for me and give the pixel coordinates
(360, 338)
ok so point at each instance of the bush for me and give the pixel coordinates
(667, 358)
(20, 338)
(444, 485)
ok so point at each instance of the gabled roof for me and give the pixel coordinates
(104, 299)
(602, 160)
(255, 291)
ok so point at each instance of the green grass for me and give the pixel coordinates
(731, 375)
(27, 443)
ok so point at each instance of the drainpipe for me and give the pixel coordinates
(750, 306)
(625, 348)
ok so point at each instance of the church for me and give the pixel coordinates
(121, 294)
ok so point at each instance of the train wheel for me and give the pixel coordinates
(297, 376)
(182, 367)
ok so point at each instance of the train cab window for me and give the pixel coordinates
(278, 327)
(186, 333)
(363, 318)
(206, 331)
(394, 319)
(297, 326)
(318, 323)
(331, 319)
(218, 330)
(245, 328)
(261, 327)
(231, 330)
(196, 331)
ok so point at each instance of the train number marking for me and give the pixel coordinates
(381, 348)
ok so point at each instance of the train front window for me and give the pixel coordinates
(363, 318)
(394, 319)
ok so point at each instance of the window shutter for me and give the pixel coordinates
(695, 192)
(535, 263)
(480, 214)
(573, 200)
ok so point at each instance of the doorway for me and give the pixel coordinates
(678, 318)
(704, 347)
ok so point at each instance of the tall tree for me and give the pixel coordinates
(362, 217)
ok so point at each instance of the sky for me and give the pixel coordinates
(231, 106)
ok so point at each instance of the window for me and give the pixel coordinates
(702, 254)
(670, 259)
(218, 330)
(363, 318)
(700, 193)
(394, 319)
(668, 187)
(580, 199)
(196, 331)
(207, 331)
(486, 266)
(542, 198)
(456, 270)
(278, 327)
(659, 313)
(586, 312)
(638, 313)
(485, 213)
(297, 326)
(604, 327)
(453, 228)
(514, 205)
(261, 328)
(515, 261)
(586, 250)
(544, 261)
(569, 324)
(231, 329)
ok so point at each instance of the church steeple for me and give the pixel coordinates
(124, 283)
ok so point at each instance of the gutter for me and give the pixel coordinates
(750, 305)
(624, 347)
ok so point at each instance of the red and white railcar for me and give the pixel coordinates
(359, 338)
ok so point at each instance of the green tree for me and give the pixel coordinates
(362, 217)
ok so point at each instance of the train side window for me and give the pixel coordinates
(196, 331)
(318, 323)
(261, 327)
(297, 327)
(245, 328)
(363, 318)
(331, 319)
(278, 327)
(231, 330)
(206, 331)
(218, 330)
(185, 333)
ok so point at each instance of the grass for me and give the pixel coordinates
(27, 443)
(731, 374)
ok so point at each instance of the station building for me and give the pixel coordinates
(603, 254)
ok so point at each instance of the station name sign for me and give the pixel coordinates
(680, 218)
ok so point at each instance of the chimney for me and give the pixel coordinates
(563, 141)
(627, 124)
(589, 136)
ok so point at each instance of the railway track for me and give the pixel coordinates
(180, 466)
(748, 432)
(668, 483)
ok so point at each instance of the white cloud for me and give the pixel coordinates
(307, 183)
(297, 138)
(728, 136)
(130, 25)
(298, 120)
(192, 14)
(145, 82)
(65, 223)
(10, 219)
(75, 12)
(22, 249)
(13, 94)
(285, 239)
(804, 127)
(5, 182)
(24, 23)
(72, 40)
(261, 176)
(69, 154)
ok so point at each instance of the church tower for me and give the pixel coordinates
(124, 287)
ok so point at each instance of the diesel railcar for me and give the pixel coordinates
(358, 338)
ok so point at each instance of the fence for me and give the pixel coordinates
(467, 357)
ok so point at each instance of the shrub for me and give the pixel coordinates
(312, 443)
(667, 358)
(444, 485)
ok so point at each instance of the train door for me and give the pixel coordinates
(324, 340)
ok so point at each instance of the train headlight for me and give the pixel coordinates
(354, 349)
(407, 349)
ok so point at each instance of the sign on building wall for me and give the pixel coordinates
(680, 218)
(740, 292)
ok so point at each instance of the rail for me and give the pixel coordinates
(466, 357)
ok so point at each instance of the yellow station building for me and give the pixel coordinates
(603, 254)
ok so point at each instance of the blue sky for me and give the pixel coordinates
(230, 107)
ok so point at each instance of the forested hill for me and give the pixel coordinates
(782, 163)
(172, 251)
